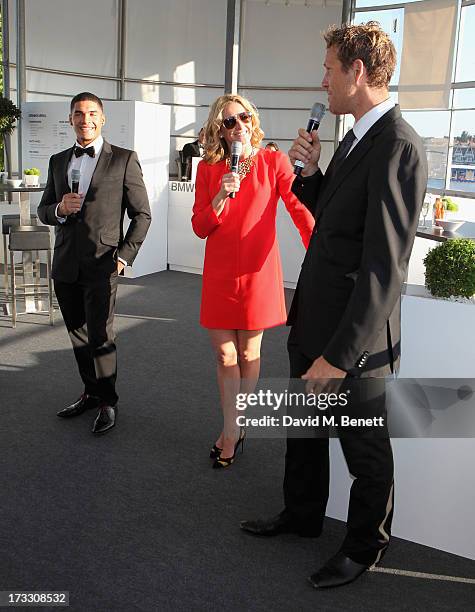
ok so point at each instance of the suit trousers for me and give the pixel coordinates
(370, 463)
(87, 306)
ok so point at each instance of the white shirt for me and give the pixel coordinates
(367, 121)
(86, 166)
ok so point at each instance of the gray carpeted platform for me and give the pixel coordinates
(137, 519)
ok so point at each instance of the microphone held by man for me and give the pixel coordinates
(304, 155)
(75, 178)
(70, 205)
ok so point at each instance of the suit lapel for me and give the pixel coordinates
(100, 170)
(352, 160)
(345, 168)
(63, 170)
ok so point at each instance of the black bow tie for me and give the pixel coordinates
(78, 151)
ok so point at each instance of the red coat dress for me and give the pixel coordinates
(242, 275)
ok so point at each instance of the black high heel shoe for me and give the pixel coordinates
(215, 452)
(224, 462)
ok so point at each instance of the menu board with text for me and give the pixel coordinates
(46, 130)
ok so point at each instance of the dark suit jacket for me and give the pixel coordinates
(91, 241)
(347, 302)
(191, 149)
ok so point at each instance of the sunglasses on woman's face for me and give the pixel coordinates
(230, 122)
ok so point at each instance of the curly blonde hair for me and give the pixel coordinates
(368, 43)
(215, 146)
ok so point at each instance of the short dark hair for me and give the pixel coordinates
(84, 96)
(368, 43)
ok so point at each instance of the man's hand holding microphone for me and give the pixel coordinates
(70, 204)
(306, 148)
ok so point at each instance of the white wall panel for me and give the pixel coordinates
(284, 123)
(169, 94)
(282, 45)
(71, 35)
(47, 98)
(177, 41)
(283, 99)
(13, 96)
(68, 85)
(186, 121)
(12, 29)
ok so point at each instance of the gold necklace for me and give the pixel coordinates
(244, 167)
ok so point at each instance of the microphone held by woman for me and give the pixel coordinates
(236, 151)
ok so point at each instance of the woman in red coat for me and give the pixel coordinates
(242, 278)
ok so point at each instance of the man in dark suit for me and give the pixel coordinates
(345, 315)
(91, 250)
(190, 150)
(195, 148)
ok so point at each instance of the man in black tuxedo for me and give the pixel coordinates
(345, 315)
(91, 250)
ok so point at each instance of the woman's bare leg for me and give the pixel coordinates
(249, 356)
(225, 346)
(238, 357)
(249, 352)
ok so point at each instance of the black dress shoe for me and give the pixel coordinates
(282, 523)
(85, 402)
(105, 419)
(339, 570)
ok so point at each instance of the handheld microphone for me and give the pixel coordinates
(236, 150)
(316, 115)
(75, 178)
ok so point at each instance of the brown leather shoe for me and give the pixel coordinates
(85, 402)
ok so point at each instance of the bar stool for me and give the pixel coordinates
(31, 238)
(9, 221)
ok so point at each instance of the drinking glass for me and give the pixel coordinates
(425, 210)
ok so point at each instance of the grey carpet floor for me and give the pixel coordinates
(137, 519)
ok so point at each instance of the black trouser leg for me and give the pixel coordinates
(71, 303)
(88, 312)
(369, 458)
(307, 466)
(100, 304)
